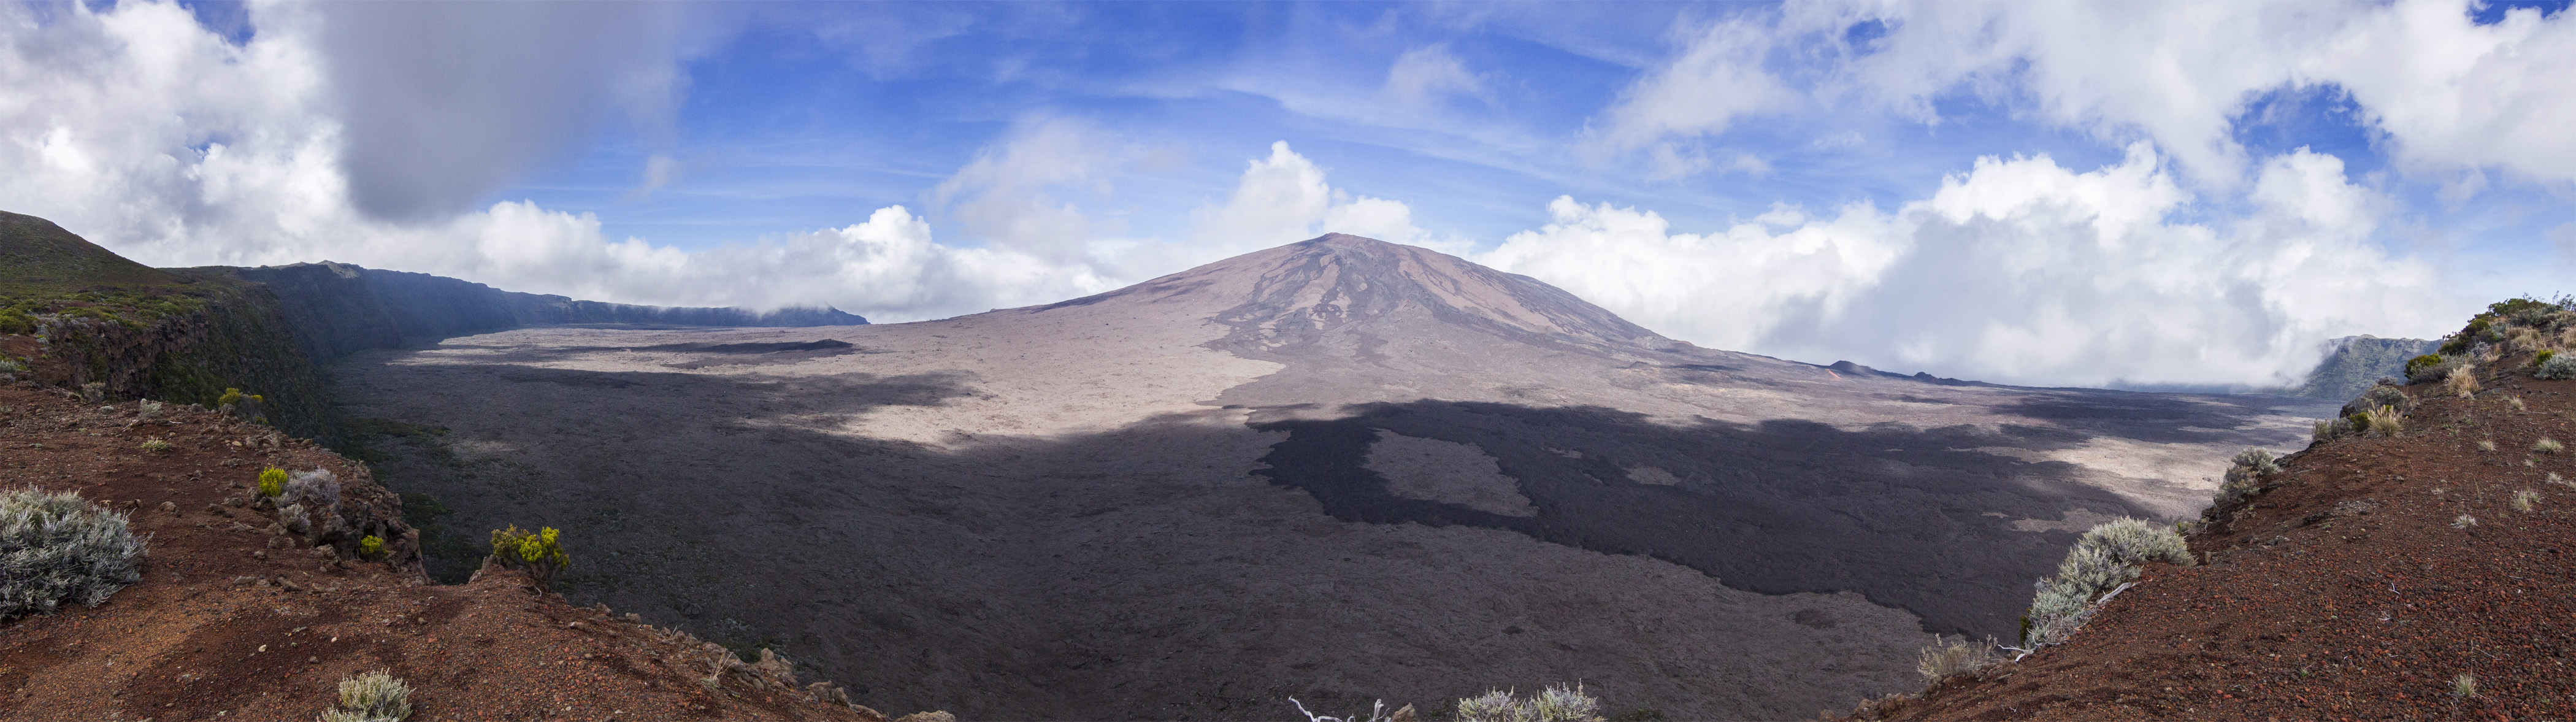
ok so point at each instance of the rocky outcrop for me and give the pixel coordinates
(338, 308)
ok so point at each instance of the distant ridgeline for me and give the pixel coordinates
(78, 316)
(337, 308)
(2359, 361)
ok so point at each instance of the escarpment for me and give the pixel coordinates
(80, 317)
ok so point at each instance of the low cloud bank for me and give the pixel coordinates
(2019, 271)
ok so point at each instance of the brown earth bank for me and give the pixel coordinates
(234, 620)
(2356, 587)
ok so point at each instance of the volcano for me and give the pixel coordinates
(1341, 470)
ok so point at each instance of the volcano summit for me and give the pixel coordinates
(1339, 469)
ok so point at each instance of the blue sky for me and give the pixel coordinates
(2062, 193)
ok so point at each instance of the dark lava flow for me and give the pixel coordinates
(1905, 516)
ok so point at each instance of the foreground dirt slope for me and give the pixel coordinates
(2353, 589)
(228, 625)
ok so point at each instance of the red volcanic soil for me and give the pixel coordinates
(2352, 589)
(225, 625)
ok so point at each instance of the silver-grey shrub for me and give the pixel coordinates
(56, 548)
(2559, 366)
(318, 489)
(2245, 474)
(2109, 555)
(1556, 703)
(372, 697)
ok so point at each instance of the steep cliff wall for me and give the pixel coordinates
(337, 308)
(78, 314)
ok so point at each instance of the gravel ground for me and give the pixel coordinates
(2352, 590)
(227, 625)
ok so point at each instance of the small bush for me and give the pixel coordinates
(371, 546)
(1557, 703)
(155, 445)
(2382, 421)
(55, 547)
(372, 697)
(2464, 521)
(272, 482)
(2440, 367)
(2420, 363)
(2245, 473)
(2109, 555)
(230, 397)
(2560, 366)
(2522, 500)
(2547, 445)
(2378, 396)
(2486, 445)
(317, 489)
(2465, 685)
(2543, 356)
(2462, 382)
(538, 552)
(1948, 657)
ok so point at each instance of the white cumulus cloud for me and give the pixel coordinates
(2020, 271)
(149, 134)
(2447, 92)
(1283, 199)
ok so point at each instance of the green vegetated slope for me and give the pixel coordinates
(2360, 361)
(75, 314)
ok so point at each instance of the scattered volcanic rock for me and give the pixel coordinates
(1340, 469)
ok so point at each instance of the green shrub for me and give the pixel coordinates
(372, 697)
(2109, 555)
(538, 552)
(230, 397)
(55, 547)
(371, 546)
(2561, 366)
(272, 482)
(155, 445)
(16, 322)
(2420, 363)
(2543, 356)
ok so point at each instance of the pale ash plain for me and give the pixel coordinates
(1053, 513)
